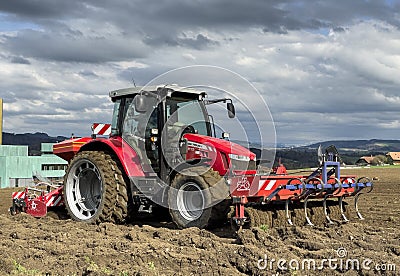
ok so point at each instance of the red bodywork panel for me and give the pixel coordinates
(68, 148)
(220, 144)
(218, 150)
(199, 146)
(128, 156)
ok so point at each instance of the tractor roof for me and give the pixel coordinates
(170, 89)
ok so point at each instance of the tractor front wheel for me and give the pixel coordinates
(189, 200)
(94, 189)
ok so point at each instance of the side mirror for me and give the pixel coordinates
(140, 103)
(231, 110)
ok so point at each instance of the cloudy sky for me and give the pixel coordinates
(327, 69)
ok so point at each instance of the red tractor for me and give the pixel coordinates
(162, 153)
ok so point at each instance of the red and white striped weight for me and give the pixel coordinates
(54, 200)
(50, 199)
(101, 129)
(18, 195)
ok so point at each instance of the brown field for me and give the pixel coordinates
(52, 246)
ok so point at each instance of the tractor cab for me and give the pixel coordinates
(154, 121)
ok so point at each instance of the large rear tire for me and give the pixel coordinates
(94, 189)
(191, 197)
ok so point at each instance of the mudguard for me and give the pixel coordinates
(126, 155)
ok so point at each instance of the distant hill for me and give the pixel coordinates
(350, 151)
(374, 145)
(293, 157)
(33, 140)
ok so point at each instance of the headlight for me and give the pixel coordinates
(239, 157)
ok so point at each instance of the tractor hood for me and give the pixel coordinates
(221, 145)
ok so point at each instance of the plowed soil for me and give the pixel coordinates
(150, 246)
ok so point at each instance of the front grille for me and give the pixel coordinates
(239, 165)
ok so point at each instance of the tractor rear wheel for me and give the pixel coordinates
(191, 197)
(94, 189)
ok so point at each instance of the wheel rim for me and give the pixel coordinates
(190, 201)
(84, 189)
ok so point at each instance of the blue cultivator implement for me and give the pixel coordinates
(318, 198)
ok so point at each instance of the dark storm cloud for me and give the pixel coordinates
(42, 8)
(64, 46)
(161, 23)
(273, 16)
(88, 73)
(190, 13)
(345, 12)
(199, 42)
(19, 60)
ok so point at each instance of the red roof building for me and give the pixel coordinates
(394, 157)
(365, 160)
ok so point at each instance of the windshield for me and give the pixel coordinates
(188, 112)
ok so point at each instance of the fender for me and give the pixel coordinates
(127, 156)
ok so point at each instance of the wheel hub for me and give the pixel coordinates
(84, 189)
(190, 201)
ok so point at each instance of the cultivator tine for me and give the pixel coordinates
(288, 216)
(308, 220)
(326, 210)
(356, 206)
(342, 209)
(363, 182)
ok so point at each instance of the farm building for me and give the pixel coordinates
(393, 158)
(17, 167)
(365, 160)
